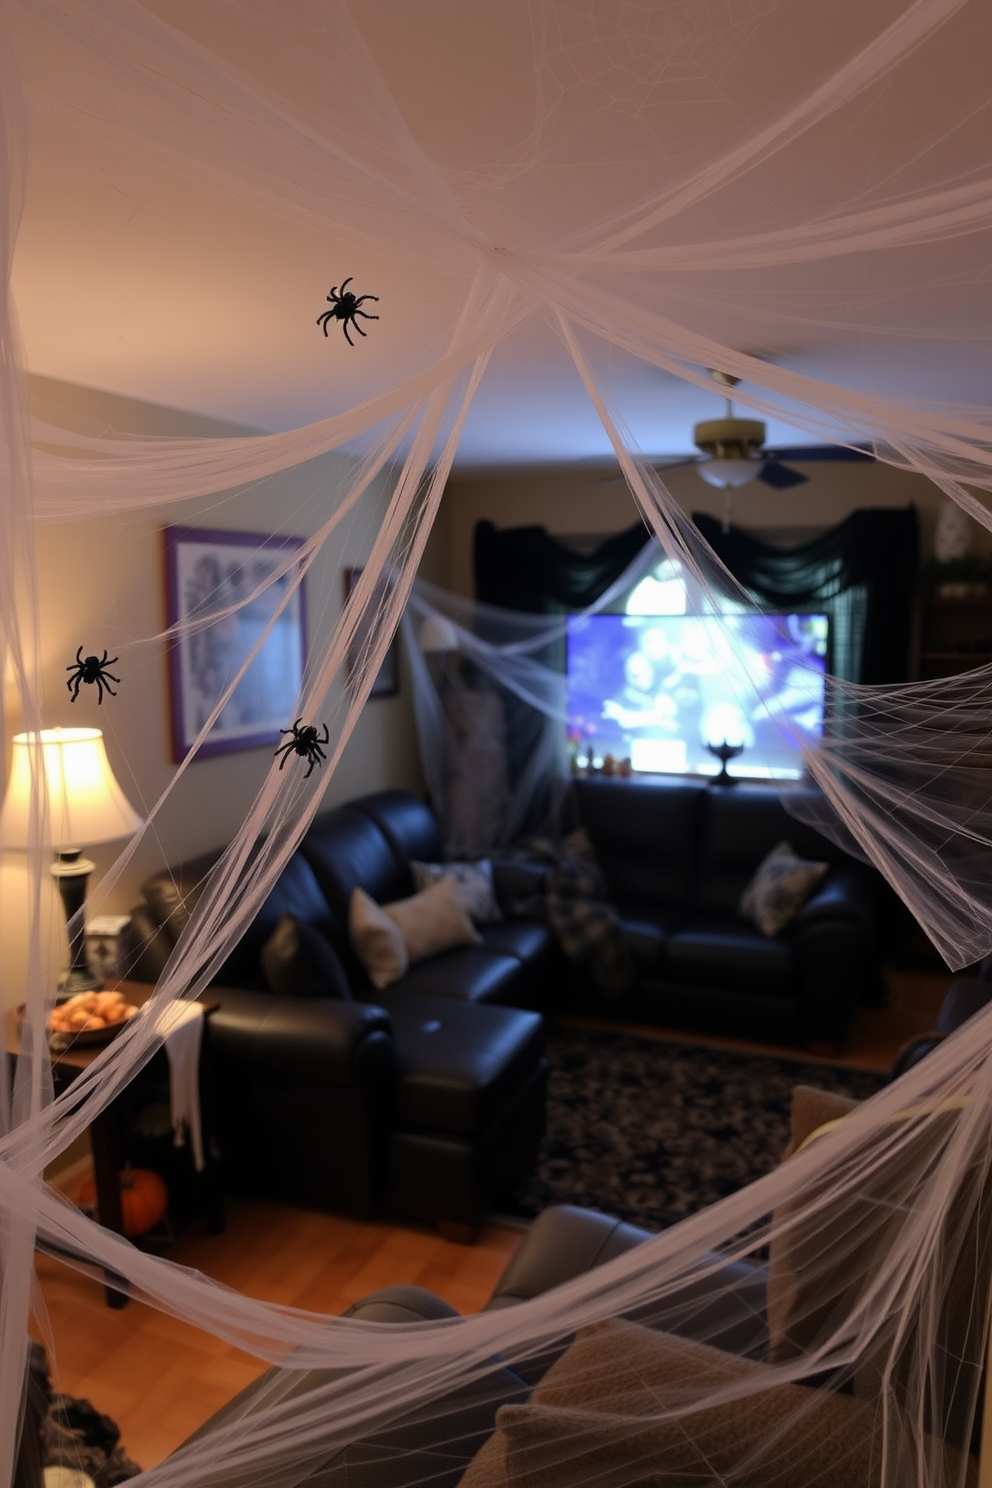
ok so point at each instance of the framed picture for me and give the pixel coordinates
(387, 682)
(206, 573)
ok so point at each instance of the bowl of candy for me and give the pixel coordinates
(87, 1018)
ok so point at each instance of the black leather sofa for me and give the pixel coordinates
(677, 855)
(428, 1098)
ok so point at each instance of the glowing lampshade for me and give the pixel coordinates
(79, 804)
(84, 802)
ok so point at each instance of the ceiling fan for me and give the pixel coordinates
(734, 450)
(733, 453)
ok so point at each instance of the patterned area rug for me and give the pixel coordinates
(653, 1131)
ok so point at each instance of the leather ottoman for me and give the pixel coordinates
(468, 1107)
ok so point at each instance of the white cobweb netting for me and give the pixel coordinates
(637, 193)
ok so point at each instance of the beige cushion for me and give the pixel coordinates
(824, 1257)
(376, 940)
(432, 921)
(387, 938)
(595, 1419)
(813, 1109)
(802, 1304)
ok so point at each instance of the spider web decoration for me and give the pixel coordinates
(639, 57)
(637, 186)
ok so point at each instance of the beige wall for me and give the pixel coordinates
(102, 585)
(577, 500)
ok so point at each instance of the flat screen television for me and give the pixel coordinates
(658, 688)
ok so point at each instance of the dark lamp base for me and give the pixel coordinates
(70, 872)
(79, 980)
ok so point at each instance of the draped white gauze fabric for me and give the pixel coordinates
(655, 181)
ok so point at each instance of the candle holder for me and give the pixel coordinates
(724, 753)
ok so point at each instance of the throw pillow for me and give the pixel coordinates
(376, 940)
(598, 1416)
(298, 961)
(781, 885)
(387, 938)
(474, 881)
(432, 921)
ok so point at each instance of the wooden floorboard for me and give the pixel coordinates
(160, 1378)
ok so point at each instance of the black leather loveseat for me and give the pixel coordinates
(431, 1446)
(677, 855)
(427, 1098)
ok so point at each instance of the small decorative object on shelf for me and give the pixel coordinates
(345, 307)
(725, 753)
(105, 944)
(953, 533)
(953, 631)
(966, 577)
(91, 669)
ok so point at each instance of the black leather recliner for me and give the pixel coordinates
(426, 1097)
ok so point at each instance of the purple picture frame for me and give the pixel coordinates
(206, 570)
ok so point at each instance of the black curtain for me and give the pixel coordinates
(861, 573)
(525, 568)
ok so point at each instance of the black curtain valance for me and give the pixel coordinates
(862, 573)
(525, 568)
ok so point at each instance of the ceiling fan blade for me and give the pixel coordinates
(659, 465)
(780, 477)
(807, 452)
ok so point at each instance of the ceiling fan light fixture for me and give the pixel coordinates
(734, 447)
(726, 472)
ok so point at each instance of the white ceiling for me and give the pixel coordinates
(138, 281)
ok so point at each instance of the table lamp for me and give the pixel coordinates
(84, 805)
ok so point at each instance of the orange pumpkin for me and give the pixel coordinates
(144, 1199)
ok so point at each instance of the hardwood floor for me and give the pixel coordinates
(160, 1378)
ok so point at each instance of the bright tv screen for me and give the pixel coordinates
(658, 688)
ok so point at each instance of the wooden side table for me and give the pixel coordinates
(106, 1128)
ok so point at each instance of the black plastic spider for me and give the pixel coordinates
(305, 742)
(91, 669)
(345, 308)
